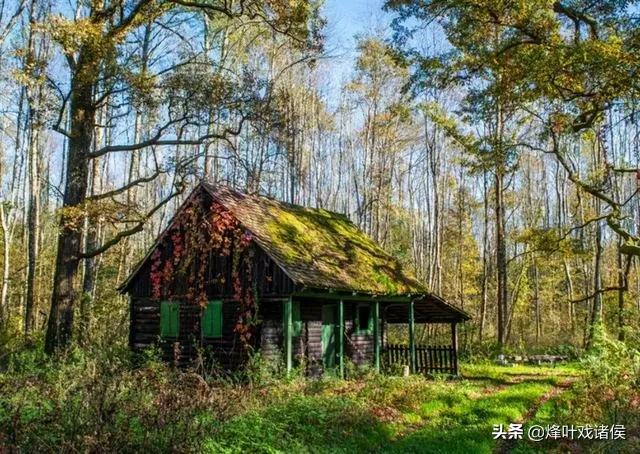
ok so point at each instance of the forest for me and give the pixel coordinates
(492, 147)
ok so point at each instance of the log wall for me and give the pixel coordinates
(227, 351)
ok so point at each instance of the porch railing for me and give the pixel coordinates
(430, 359)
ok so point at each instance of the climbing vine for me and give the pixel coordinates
(198, 235)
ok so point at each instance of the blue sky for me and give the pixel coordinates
(345, 20)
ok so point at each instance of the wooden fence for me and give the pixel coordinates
(430, 359)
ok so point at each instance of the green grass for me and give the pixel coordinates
(559, 410)
(106, 402)
(86, 404)
(391, 414)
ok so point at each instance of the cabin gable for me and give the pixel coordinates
(268, 278)
(187, 270)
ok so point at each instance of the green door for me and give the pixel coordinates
(329, 335)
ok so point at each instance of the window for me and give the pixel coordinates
(364, 319)
(212, 320)
(296, 319)
(169, 319)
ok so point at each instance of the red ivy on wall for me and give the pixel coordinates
(184, 252)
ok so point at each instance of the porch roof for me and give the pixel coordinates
(428, 308)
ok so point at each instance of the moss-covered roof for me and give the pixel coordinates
(321, 250)
(318, 248)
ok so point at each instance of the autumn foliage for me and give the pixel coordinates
(184, 251)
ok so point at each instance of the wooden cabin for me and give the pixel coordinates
(235, 273)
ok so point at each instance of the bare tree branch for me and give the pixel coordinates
(125, 188)
(133, 230)
(158, 141)
(12, 21)
(624, 287)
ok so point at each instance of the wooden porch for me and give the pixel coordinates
(390, 310)
(429, 359)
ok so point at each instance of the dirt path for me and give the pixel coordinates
(460, 420)
(506, 446)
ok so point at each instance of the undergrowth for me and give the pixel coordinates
(607, 394)
(102, 399)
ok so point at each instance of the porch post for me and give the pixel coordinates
(412, 338)
(376, 335)
(454, 348)
(383, 320)
(341, 337)
(288, 325)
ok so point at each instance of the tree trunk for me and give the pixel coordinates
(33, 228)
(7, 217)
(35, 94)
(536, 298)
(501, 259)
(82, 111)
(485, 260)
(596, 311)
(623, 283)
(6, 246)
(570, 293)
(89, 279)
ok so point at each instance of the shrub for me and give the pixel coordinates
(98, 400)
(570, 351)
(612, 378)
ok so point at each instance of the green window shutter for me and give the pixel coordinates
(297, 319)
(212, 320)
(169, 319)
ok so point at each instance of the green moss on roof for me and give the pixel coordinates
(318, 248)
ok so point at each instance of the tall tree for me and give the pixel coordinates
(377, 86)
(36, 61)
(555, 60)
(92, 43)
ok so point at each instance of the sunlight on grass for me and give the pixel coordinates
(391, 414)
(466, 425)
(370, 413)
